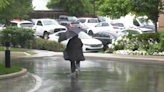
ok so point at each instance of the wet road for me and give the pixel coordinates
(95, 76)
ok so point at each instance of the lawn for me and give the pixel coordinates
(18, 50)
(4, 70)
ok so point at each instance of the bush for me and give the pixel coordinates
(150, 42)
(17, 36)
(43, 44)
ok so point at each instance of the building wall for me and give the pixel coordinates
(161, 21)
(46, 14)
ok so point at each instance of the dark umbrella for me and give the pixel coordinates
(69, 33)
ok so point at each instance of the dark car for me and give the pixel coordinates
(66, 20)
(77, 25)
(105, 37)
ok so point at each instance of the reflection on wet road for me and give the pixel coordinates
(95, 76)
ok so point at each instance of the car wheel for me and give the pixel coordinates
(90, 33)
(45, 36)
(105, 47)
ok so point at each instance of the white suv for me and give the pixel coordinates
(44, 27)
(22, 23)
(88, 22)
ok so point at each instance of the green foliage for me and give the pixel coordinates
(150, 42)
(3, 3)
(113, 8)
(15, 9)
(43, 44)
(17, 36)
(73, 7)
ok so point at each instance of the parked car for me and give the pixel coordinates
(134, 30)
(44, 27)
(32, 20)
(88, 22)
(66, 20)
(117, 24)
(77, 24)
(105, 37)
(22, 23)
(142, 23)
(100, 18)
(104, 26)
(89, 43)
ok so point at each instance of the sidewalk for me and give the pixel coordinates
(116, 57)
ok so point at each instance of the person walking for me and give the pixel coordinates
(75, 53)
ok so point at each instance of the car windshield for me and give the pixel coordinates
(83, 35)
(92, 21)
(72, 18)
(50, 22)
(145, 22)
(26, 25)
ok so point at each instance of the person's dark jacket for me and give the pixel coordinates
(74, 49)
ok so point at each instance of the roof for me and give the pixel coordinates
(40, 5)
(23, 21)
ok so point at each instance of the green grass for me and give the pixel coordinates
(18, 50)
(13, 69)
(101, 52)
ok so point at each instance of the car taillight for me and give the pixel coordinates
(115, 27)
(70, 26)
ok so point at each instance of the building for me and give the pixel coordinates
(41, 11)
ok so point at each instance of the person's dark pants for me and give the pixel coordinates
(73, 66)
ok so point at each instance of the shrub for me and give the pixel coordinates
(149, 42)
(17, 36)
(43, 44)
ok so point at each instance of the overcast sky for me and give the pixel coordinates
(40, 5)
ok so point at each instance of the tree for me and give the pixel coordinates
(151, 8)
(15, 9)
(3, 3)
(113, 8)
(72, 7)
(118, 8)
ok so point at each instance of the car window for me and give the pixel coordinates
(13, 24)
(63, 18)
(50, 22)
(136, 23)
(99, 25)
(26, 25)
(39, 23)
(97, 35)
(92, 21)
(81, 20)
(117, 24)
(105, 24)
(72, 18)
(83, 35)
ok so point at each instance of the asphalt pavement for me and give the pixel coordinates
(34, 81)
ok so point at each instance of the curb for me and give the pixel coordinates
(38, 83)
(123, 58)
(16, 74)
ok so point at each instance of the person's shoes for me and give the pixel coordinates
(78, 67)
(72, 74)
